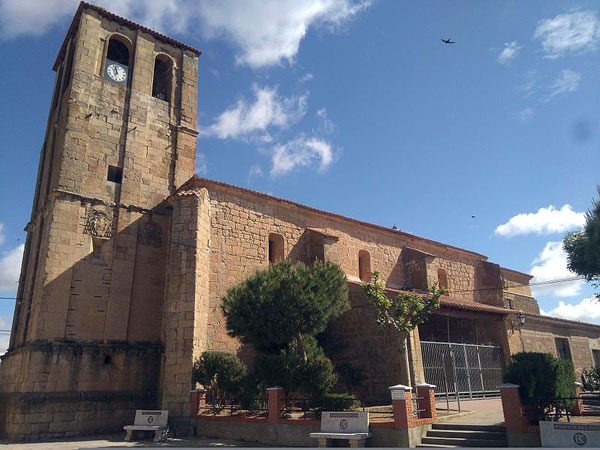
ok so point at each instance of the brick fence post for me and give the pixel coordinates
(198, 401)
(275, 404)
(577, 408)
(402, 406)
(427, 402)
(512, 408)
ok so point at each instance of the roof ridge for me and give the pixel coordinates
(188, 185)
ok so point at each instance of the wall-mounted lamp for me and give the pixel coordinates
(521, 318)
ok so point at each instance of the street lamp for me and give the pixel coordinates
(521, 318)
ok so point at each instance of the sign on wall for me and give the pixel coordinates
(570, 434)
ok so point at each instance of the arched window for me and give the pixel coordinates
(161, 84)
(442, 278)
(275, 247)
(364, 266)
(116, 67)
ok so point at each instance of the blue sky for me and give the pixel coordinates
(357, 107)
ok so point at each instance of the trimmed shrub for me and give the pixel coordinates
(223, 374)
(543, 380)
(335, 402)
(313, 377)
(350, 376)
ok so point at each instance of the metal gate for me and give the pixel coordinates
(476, 369)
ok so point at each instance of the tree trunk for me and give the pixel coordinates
(301, 348)
(406, 363)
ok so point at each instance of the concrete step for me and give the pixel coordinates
(467, 434)
(468, 427)
(462, 442)
(437, 446)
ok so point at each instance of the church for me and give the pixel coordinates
(128, 255)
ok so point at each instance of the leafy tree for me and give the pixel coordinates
(583, 247)
(404, 311)
(284, 303)
(288, 369)
(222, 373)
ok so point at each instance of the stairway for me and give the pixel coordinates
(464, 435)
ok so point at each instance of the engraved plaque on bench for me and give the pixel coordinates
(345, 422)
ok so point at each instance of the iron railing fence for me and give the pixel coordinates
(464, 370)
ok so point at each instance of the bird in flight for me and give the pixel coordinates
(448, 41)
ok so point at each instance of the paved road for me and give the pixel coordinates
(114, 441)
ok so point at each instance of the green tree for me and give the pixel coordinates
(583, 247)
(288, 369)
(221, 373)
(282, 303)
(402, 312)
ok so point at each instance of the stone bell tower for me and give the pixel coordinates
(85, 348)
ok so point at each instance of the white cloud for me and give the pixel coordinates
(201, 164)
(2, 237)
(575, 32)
(307, 77)
(325, 126)
(567, 81)
(301, 152)
(545, 221)
(531, 83)
(5, 324)
(525, 115)
(587, 310)
(255, 171)
(508, 53)
(247, 120)
(551, 264)
(268, 32)
(10, 268)
(36, 17)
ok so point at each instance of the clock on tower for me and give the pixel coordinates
(116, 72)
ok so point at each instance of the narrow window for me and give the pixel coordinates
(442, 278)
(509, 304)
(364, 266)
(562, 348)
(69, 66)
(596, 354)
(161, 84)
(275, 247)
(115, 174)
(116, 67)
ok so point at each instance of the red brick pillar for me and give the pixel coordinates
(402, 406)
(577, 408)
(198, 401)
(512, 408)
(427, 402)
(275, 404)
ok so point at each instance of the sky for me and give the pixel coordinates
(357, 107)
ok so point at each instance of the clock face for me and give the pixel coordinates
(116, 72)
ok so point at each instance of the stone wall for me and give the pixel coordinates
(539, 334)
(62, 389)
(240, 226)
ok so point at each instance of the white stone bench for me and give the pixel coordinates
(149, 420)
(351, 426)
